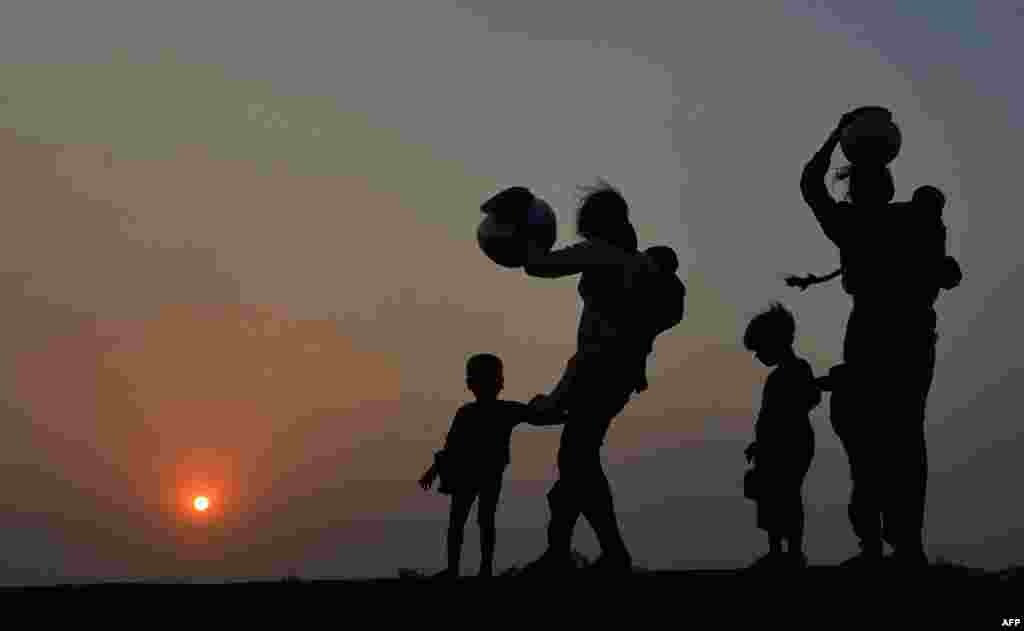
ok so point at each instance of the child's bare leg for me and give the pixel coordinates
(486, 511)
(795, 537)
(461, 504)
(795, 541)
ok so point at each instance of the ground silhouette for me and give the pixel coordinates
(945, 594)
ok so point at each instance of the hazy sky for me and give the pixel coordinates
(240, 260)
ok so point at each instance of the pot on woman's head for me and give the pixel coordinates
(871, 138)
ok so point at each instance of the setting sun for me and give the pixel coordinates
(201, 503)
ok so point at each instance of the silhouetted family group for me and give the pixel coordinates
(893, 264)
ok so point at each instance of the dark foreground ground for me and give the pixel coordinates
(819, 597)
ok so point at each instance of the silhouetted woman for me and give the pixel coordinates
(889, 258)
(599, 380)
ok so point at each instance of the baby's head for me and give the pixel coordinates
(770, 335)
(664, 257)
(929, 199)
(484, 376)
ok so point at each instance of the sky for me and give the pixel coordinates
(240, 261)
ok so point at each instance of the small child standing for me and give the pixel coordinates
(476, 452)
(783, 446)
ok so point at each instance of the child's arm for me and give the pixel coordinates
(429, 476)
(431, 473)
(541, 413)
(760, 424)
(798, 392)
(813, 393)
(833, 380)
(551, 409)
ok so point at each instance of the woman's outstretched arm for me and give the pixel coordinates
(568, 261)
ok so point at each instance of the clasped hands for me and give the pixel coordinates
(543, 404)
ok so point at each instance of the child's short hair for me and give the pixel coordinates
(664, 257)
(482, 366)
(775, 324)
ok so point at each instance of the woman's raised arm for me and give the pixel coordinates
(814, 191)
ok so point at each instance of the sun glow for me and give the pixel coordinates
(201, 503)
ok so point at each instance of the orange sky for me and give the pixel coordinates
(190, 325)
(239, 259)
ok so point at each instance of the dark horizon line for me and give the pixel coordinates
(405, 574)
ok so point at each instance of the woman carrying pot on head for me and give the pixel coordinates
(892, 265)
